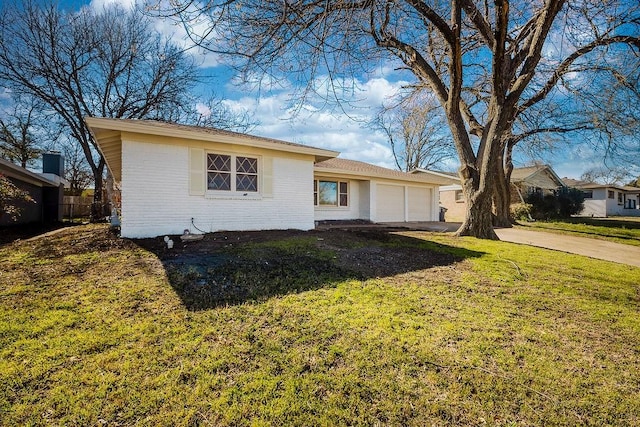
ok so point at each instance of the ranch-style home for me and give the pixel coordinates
(176, 177)
(604, 200)
(46, 190)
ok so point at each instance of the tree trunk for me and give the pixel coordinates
(502, 197)
(478, 215)
(97, 213)
(477, 221)
(109, 188)
(502, 193)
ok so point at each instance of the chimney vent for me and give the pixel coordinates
(53, 162)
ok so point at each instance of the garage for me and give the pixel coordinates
(390, 203)
(419, 199)
(378, 194)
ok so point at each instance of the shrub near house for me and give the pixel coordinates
(12, 199)
(563, 204)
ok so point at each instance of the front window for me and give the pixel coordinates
(459, 196)
(611, 194)
(620, 198)
(330, 193)
(587, 194)
(227, 172)
(246, 174)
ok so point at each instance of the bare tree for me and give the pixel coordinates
(605, 175)
(213, 112)
(76, 168)
(489, 64)
(18, 140)
(109, 63)
(417, 132)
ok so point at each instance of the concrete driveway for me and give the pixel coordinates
(594, 248)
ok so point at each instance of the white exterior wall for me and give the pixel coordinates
(593, 207)
(353, 211)
(365, 200)
(364, 196)
(602, 206)
(156, 200)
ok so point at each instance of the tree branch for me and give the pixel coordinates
(479, 21)
(565, 65)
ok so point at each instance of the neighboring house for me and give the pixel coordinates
(46, 189)
(450, 195)
(176, 177)
(539, 179)
(603, 200)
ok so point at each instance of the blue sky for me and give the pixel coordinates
(315, 124)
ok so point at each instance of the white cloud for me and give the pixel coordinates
(176, 32)
(5, 93)
(171, 29)
(99, 5)
(203, 109)
(343, 131)
(573, 162)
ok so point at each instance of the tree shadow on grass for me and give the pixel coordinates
(236, 267)
(607, 223)
(12, 233)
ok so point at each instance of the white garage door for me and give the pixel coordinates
(419, 204)
(389, 203)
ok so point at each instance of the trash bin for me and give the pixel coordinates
(443, 210)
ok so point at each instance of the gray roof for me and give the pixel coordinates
(354, 167)
(17, 172)
(586, 185)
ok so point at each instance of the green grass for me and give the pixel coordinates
(616, 229)
(96, 330)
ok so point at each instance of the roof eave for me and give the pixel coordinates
(23, 174)
(362, 175)
(238, 139)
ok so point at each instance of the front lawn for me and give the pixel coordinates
(624, 230)
(318, 328)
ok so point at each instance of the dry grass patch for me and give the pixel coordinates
(100, 330)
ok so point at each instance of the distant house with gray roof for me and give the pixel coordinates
(540, 179)
(604, 200)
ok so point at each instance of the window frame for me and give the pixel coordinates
(611, 194)
(234, 173)
(458, 195)
(342, 197)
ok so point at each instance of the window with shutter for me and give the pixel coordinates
(232, 173)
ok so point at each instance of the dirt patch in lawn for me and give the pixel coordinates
(235, 267)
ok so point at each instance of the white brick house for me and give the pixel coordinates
(176, 177)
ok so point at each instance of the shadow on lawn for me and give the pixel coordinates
(235, 267)
(11, 233)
